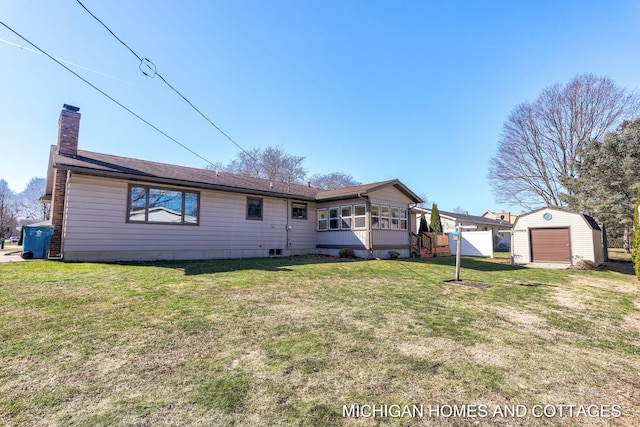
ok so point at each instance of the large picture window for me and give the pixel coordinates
(162, 205)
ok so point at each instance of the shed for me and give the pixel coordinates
(552, 235)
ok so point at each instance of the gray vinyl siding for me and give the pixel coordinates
(584, 239)
(95, 226)
(391, 239)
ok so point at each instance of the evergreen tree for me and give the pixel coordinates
(435, 224)
(424, 227)
(606, 183)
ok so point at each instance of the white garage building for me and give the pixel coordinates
(550, 235)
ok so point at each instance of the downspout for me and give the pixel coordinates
(64, 215)
(369, 230)
(409, 226)
(288, 226)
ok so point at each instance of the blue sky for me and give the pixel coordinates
(414, 90)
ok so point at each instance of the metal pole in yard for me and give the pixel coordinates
(458, 250)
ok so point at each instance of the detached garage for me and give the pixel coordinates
(552, 235)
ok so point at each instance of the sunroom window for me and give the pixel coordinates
(360, 216)
(334, 219)
(384, 217)
(323, 221)
(346, 217)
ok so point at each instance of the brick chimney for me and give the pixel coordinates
(68, 131)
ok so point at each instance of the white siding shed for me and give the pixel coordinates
(551, 235)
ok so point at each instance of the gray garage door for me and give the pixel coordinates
(550, 245)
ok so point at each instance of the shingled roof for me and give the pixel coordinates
(349, 192)
(108, 165)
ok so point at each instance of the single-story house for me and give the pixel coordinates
(500, 216)
(111, 208)
(551, 235)
(500, 229)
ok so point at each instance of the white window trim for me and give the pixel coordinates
(356, 217)
(325, 219)
(335, 218)
(372, 215)
(349, 217)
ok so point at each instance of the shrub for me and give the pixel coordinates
(424, 227)
(346, 253)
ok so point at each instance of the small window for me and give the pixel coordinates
(334, 219)
(360, 216)
(346, 217)
(323, 220)
(298, 210)
(254, 208)
(375, 217)
(384, 217)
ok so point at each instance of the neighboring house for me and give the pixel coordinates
(111, 208)
(551, 235)
(500, 216)
(500, 229)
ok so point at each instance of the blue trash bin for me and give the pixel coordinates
(36, 241)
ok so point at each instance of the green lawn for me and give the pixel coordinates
(290, 341)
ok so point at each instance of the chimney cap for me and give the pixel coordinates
(71, 108)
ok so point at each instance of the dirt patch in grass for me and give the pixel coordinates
(568, 298)
(630, 286)
(469, 283)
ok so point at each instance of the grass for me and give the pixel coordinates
(289, 341)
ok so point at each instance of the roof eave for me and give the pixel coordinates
(180, 183)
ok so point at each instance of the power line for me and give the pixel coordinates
(65, 61)
(146, 62)
(104, 93)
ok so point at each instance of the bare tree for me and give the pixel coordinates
(460, 210)
(333, 180)
(29, 200)
(274, 164)
(8, 210)
(541, 142)
(271, 163)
